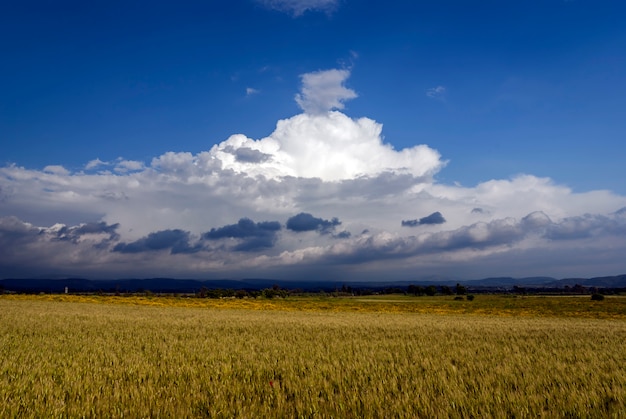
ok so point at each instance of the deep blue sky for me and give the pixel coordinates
(530, 87)
(501, 151)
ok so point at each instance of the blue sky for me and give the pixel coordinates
(157, 119)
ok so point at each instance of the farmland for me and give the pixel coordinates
(98, 356)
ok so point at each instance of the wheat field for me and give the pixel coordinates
(77, 357)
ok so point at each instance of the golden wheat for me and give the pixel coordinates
(70, 359)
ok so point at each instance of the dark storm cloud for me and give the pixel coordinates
(4, 194)
(244, 228)
(434, 218)
(255, 243)
(13, 232)
(342, 235)
(175, 240)
(254, 235)
(307, 222)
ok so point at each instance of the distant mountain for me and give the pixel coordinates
(121, 285)
(171, 285)
(507, 282)
(618, 281)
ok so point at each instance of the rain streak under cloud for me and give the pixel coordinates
(322, 196)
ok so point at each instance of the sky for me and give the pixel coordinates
(313, 139)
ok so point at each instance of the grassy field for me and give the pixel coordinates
(74, 356)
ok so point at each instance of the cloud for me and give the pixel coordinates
(255, 235)
(124, 166)
(32, 250)
(323, 91)
(298, 7)
(176, 241)
(173, 215)
(457, 247)
(247, 155)
(479, 211)
(434, 218)
(585, 226)
(92, 164)
(251, 91)
(100, 232)
(437, 93)
(120, 165)
(306, 222)
(13, 231)
(342, 235)
(330, 146)
(56, 170)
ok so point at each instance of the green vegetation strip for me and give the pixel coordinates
(83, 359)
(612, 307)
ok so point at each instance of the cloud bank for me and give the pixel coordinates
(323, 195)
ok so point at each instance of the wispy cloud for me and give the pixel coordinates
(298, 7)
(124, 166)
(94, 163)
(437, 93)
(56, 170)
(252, 91)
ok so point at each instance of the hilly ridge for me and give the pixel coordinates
(172, 285)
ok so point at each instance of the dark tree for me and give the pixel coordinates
(446, 290)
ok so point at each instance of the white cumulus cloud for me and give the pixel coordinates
(330, 146)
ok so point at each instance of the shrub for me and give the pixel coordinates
(597, 297)
(458, 298)
(470, 297)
